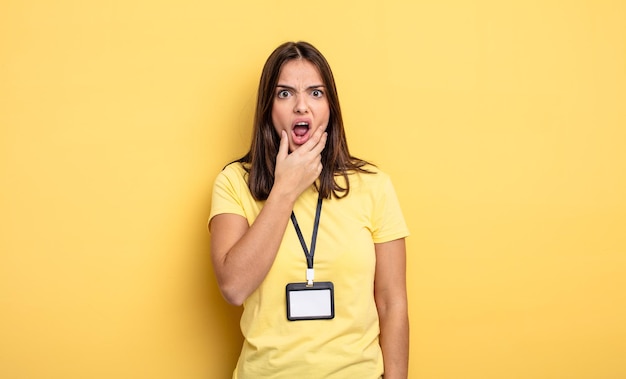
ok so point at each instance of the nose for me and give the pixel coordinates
(300, 106)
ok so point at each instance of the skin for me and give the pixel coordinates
(391, 303)
(299, 97)
(242, 255)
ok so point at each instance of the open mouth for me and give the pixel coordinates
(300, 129)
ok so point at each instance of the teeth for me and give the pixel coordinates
(302, 124)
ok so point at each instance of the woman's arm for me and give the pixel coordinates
(391, 302)
(242, 255)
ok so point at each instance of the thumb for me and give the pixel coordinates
(283, 149)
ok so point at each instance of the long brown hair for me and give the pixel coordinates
(260, 160)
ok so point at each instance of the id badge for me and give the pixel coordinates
(316, 302)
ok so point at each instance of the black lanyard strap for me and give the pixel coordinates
(309, 254)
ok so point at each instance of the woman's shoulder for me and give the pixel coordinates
(369, 179)
(235, 168)
(233, 172)
(369, 173)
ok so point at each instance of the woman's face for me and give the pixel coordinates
(300, 104)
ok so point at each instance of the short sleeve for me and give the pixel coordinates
(227, 193)
(387, 218)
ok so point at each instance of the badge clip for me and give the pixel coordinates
(310, 276)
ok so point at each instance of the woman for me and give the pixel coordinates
(334, 307)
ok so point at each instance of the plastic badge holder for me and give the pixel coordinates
(316, 302)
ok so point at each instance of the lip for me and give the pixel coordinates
(300, 140)
(298, 120)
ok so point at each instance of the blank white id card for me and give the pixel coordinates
(310, 303)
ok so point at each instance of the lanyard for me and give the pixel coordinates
(310, 275)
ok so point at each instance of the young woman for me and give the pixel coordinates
(309, 238)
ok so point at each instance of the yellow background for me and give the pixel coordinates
(503, 125)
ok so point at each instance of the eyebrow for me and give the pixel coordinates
(315, 86)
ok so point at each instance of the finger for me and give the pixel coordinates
(319, 147)
(321, 130)
(283, 148)
(315, 139)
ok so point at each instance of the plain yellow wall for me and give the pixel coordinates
(503, 125)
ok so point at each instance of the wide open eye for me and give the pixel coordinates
(283, 94)
(317, 93)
